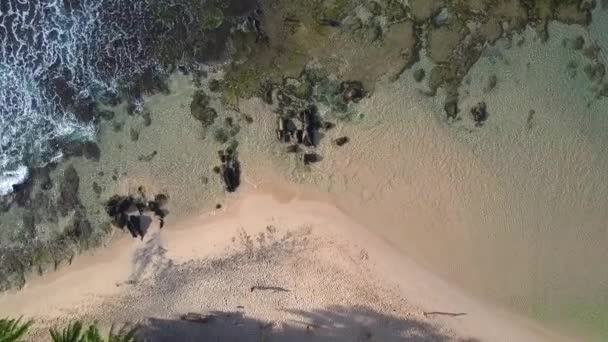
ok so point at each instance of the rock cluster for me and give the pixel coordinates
(230, 169)
(129, 211)
(299, 122)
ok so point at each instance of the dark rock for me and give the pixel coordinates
(161, 199)
(492, 82)
(91, 151)
(341, 141)
(230, 170)
(330, 22)
(229, 121)
(578, 43)
(147, 118)
(220, 135)
(22, 191)
(134, 134)
(29, 225)
(110, 99)
(43, 178)
(68, 191)
(604, 90)
(231, 174)
(451, 109)
(44, 208)
(595, 72)
(71, 149)
(183, 69)
(200, 110)
(84, 109)
(248, 119)
(150, 82)
(215, 85)
(5, 203)
(265, 92)
(216, 169)
(148, 157)
(218, 206)
(97, 188)
(310, 158)
(310, 126)
(135, 227)
(117, 126)
(326, 125)
(352, 91)
(419, 75)
(81, 228)
(106, 115)
(117, 205)
(480, 113)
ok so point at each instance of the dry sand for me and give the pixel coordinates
(316, 274)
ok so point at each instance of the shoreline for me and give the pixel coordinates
(94, 279)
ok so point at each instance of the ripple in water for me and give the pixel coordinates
(56, 57)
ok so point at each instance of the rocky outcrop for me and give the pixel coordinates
(130, 211)
(230, 169)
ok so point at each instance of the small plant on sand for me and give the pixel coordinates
(13, 330)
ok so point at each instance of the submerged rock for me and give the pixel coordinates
(352, 91)
(419, 75)
(441, 17)
(451, 109)
(68, 191)
(200, 110)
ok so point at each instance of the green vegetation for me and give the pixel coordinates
(14, 330)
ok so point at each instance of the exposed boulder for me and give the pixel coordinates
(341, 141)
(129, 211)
(310, 158)
(480, 113)
(230, 170)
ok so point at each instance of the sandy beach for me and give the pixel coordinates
(275, 264)
(416, 170)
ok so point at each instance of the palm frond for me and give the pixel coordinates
(71, 333)
(13, 330)
(92, 334)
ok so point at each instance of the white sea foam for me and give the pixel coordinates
(10, 178)
(53, 50)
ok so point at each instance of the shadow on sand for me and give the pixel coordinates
(336, 323)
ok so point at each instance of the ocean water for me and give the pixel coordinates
(56, 58)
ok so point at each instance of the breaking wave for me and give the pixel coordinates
(56, 58)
